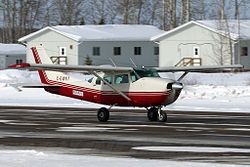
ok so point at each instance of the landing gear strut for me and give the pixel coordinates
(156, 114)
(152, 114)
(162, 116)
(103, 114)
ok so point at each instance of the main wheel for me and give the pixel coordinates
(162, 116)
(103, 114)
(152, 114)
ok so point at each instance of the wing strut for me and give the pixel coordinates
(117, 91)
(182, 76)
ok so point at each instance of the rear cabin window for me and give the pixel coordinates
(98, 81)
(90, 80)
(120, 79)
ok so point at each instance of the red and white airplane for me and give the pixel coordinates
(114, 86)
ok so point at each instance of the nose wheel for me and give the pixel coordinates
(156, 114)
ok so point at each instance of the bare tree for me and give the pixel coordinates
(222, 10)
(169, 16)
(185, 11)
(111, 11)
(172, 13)
(68, 12)
(155, 6)
(125, 9)
(20, 18)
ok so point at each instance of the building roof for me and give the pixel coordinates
(12, 49)
(102, 32)
(216, 26)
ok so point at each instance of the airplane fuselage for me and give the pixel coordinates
(142, 92)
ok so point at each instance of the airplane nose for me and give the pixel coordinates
(175, 86)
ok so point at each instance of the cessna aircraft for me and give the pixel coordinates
(114, 86)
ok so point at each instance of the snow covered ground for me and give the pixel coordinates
(29, 158)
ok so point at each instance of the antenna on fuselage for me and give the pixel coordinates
(135, 66)
(112, 62)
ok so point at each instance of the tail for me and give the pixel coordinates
(40, 55)
(48, 77)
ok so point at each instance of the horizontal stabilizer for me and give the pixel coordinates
(40, 86)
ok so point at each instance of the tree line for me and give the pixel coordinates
(21, 17)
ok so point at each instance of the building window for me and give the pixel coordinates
(96, 51)
(137, 50)
(117, 51)
(62, 51)
(244, 51)
(156, 50)
(19, 61)
(71, 46)
(196, 51)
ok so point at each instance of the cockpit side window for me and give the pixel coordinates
(120, 79)
(133, 77)
(147, 73)
(108, 79)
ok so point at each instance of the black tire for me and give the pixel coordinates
(162, 117)
(103, 114)
(152, 114)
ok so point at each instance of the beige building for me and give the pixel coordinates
(208, 42)
(103, 44)
(11, 54)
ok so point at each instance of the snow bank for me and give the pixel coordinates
(26, 158)
(192, 149)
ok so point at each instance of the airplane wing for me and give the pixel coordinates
(200, 68)
(71, 68)
(90, 69)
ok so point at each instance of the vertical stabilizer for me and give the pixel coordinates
(47, 77)
(40, 55)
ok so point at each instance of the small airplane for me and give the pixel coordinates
(114, 86)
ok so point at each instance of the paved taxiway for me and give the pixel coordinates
(79, 130)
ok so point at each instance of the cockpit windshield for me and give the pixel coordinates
(146, 73)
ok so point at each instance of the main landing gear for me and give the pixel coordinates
(156, 114)
(103, 114)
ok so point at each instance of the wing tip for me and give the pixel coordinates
(23, 65)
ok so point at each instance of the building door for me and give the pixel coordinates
(196, 52)
(196, 56)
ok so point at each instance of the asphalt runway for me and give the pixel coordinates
(78, 132)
